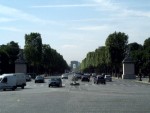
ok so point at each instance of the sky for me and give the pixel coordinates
(74, 27)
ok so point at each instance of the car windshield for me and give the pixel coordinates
(54, 79)
(39, 77)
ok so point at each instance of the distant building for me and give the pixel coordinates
(74, 65)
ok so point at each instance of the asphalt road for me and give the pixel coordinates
(118, 96)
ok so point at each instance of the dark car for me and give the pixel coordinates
(78, 75)
(39, 79)
(33, 75)
(99, 79)
(55, 82)
(108, 78)
(64, 76)
(28, 78)
(85, 78)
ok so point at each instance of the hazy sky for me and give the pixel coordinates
(74, 27)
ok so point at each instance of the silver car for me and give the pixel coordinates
(108, 78)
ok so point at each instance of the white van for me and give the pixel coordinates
(12, 81)
(8, 81)
(21, 79)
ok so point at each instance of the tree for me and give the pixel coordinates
(33, 49)
(47, 58)
(136, 52)
(146, 58)
(116, 44)
(11, 50)
(4, 62)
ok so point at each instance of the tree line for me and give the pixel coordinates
(40, 58)
(108, 58)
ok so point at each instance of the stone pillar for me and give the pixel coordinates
(20, 67)
(20, 64)
(128, 68)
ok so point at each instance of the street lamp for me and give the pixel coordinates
(148, 70)
(140, 71)
(0, 64)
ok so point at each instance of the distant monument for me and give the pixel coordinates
(74, 65)
(20, 63)
(128, 67)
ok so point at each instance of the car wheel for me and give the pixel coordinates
(49, 85)
(14, 88)
(22, 86)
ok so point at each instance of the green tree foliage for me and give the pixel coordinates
(116, 44)
(94, 60)
(11, 50)
(136, 52)
(52, 60)
(42, 58)
(4, 62)
(109, 57)
(146, 58)
(33, 49)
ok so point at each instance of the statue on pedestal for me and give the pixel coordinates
(21, 58)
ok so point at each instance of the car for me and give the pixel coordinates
(12, 81)
(99, 79)
(55, 82)
(78, 75)
(33, 75)
(39, 79)
(28, 77)
(64, 76)
(108, 78)
(94, 75)
(85, 78)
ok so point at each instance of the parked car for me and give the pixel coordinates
(99, 79)
(55, 82)
(28, 77)
(85, 78)
(39, 79)
(64, 76)
(108, 78)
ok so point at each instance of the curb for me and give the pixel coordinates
(143, 82)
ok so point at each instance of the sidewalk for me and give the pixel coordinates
(144, 81)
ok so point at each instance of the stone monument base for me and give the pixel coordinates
(128, 76)
(20, 68)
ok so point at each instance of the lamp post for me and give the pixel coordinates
(140, 72)
(0, 64)
(148, 70)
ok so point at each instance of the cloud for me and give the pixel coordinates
(68, 46)
(92, 28)
(10, 29)
(87, 20)
(107, 5)
(6, 19)
(65, 6)
(20, 15)
(121, 10)
(136, 13)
